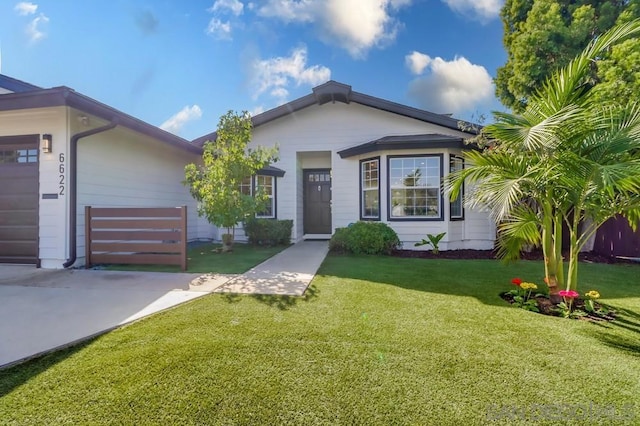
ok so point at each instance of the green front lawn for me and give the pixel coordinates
(376, 340)
(204, 258)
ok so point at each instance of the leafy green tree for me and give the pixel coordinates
(542, 36)
(568, 158)
(226, 163)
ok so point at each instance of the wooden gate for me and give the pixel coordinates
(136, 236)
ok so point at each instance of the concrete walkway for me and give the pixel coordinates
(287, 273)
(43, 310)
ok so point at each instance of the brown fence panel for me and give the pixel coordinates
(616, 238)
(136, 236)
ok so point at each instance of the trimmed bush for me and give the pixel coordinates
(365, 238)
(268, 232)
(338, 241)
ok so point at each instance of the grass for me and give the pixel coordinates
(204, 258)
(376, 340)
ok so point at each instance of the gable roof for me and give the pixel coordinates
(14, 85)
(333, 91)
(36, 97)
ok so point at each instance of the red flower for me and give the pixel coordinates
(568, 293)
(516, 281)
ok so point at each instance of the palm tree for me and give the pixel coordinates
(565, 160)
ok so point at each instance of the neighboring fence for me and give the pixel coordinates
(616, 238)
(136, 236)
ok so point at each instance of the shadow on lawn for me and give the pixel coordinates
(14, 376)
(278, 301)
(627, 341)
(482, 279)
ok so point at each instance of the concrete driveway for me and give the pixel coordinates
(41, 310)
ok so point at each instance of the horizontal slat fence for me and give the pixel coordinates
(136, 235)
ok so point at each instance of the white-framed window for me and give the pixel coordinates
(246, 186)
(370, 189)
(414, 187)
(456, 209)
(249, 185)
(267, 184)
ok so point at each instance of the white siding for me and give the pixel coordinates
(52, 212)
(121, 168)
(306, 137)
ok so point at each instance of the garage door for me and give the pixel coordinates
(19, 199)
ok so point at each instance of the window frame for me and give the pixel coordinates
(440, 216)
(274, 189)
(362, 189)
(273, 214)
(460, 198)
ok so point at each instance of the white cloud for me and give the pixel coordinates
(218, 29)
(452, 86)
(355, 25)
(33, 29)
(182, 117)
(483, 10)
(417, 62)
(233, 6)
(275, 74)
(25, 8)
(257, 110)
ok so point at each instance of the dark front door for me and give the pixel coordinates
(317, 202)
(19, 199)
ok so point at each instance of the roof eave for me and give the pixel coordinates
(64, 96)
(377, 146)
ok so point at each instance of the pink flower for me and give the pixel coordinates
(568, 293)
(516, 281)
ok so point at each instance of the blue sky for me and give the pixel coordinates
(182, 64)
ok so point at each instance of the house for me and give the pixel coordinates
(347, 156)
(60, 151)
(344, 156)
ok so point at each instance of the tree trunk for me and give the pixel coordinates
(227, 242)
(574, 251)
(550, 253)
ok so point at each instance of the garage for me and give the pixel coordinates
(19, 199)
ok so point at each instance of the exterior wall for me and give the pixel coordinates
(52, 211)
(335, 126)
(121, 168)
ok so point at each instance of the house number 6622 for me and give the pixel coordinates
(61, 169)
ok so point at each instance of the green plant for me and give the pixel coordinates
(268, 232)
(433, 240)
(365, 238)
(522, 295)
(338, 241)
(226, 163)
(567, 164)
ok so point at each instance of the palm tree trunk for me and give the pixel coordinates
(549, 250)
(574, 251)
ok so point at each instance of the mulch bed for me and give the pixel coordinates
(546, 307)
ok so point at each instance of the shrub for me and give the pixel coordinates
(338, 241)
(268, 232)
(365, 238)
